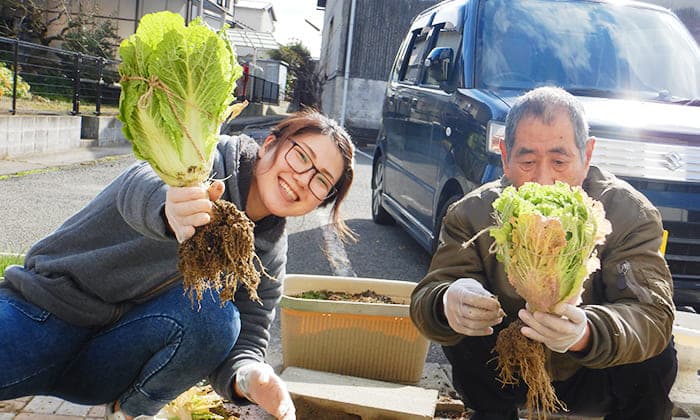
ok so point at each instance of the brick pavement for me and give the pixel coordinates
(48, 408)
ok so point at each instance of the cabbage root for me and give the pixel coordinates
(220, 254)
(520, 357)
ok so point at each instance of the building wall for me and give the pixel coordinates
(377, 34)
(335, 27)
(379, 30)
(259, 20)
(126, 13)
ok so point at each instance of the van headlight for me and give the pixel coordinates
(495, 132)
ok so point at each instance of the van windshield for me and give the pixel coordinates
(595, 48)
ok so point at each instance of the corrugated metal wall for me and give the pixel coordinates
(380, 26)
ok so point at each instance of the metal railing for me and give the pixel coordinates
(63, 76)
(256, 89)
(80, 81)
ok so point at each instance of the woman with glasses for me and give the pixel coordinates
(100, 305)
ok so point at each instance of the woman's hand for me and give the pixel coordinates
(258, 382)
(189, 207)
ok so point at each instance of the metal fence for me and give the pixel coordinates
(78, 83)
(67, 79)
(256, 89)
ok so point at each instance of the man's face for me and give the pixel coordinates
(545, 153)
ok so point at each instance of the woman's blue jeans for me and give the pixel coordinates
(153, 353)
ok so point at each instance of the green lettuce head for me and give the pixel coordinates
(545, 235)
(177, 84)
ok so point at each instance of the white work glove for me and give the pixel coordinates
(560, 330)
(470, 309)
(258, 383)
(189, 207)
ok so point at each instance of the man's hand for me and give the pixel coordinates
(259, 383)
(189, 207)
(565, 329)
(470, 309)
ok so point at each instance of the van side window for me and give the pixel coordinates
(415, 60)
(399, 66)
(447, 37)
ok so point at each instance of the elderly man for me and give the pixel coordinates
(610, 356)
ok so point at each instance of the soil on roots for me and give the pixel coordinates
(220, 254)
(520, 357)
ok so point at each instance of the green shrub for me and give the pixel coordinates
(6, 78)
(7, 260)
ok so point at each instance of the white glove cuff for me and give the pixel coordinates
(571, 343)
(580, 335)
(444, 303)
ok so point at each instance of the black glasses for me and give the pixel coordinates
(298, 159)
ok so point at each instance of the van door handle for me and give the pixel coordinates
(414, 102)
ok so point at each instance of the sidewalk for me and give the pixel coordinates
(45, 161)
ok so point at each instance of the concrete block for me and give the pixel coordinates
(106, 130)
(97, 411)
(43, 136)
(28, 136)
(10, 406)
(22, 135)
(39, 416)
(366, 398)
(43, 405)
(71, 409)
(14, 123)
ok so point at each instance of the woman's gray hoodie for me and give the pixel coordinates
(117, 252)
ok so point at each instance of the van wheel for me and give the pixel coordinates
(379, 215)
(438, 222)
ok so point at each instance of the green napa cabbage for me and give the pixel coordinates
(177, 84)
(545, 235)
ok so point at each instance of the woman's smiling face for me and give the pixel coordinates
(281, 190)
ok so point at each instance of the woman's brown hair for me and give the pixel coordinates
(311, 121)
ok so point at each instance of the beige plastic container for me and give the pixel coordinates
(368, 340)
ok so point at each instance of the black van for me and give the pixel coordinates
(634, 66)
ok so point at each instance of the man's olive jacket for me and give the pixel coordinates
(628, 301)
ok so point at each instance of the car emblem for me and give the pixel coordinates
(673, 161)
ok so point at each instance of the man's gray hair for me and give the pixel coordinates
(545, 103)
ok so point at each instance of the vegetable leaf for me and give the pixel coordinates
(546, 235)
(177, 85)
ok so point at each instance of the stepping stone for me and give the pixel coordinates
(686, 332)
(362, 397)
